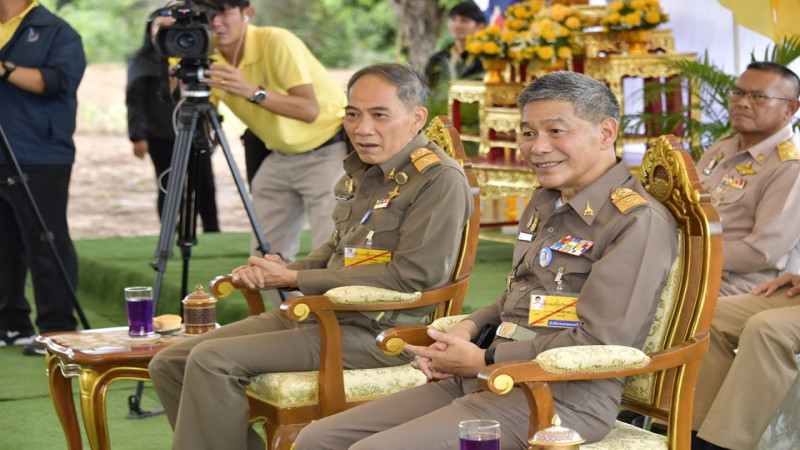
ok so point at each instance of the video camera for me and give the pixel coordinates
(191, 36)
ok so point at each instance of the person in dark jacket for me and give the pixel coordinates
(151, 130)
(41, 65)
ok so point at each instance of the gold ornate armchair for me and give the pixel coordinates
(286, 402)
(661, 379)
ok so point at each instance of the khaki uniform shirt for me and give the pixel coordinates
(422, 226)
(618, 281)
(760, 220)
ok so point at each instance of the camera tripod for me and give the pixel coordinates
(193, 137)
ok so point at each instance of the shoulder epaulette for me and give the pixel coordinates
(625, 199)
(787, 151)
(422, 158)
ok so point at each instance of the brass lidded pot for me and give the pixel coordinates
(555, 437)
(199, 312)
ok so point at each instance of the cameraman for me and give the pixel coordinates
(287, 98)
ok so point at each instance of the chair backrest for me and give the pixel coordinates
(441, 131)
(687, 304)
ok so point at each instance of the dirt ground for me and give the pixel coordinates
(112, 193)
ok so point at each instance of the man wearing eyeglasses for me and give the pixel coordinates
(753, 177)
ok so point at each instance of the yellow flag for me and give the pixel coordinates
(774, 19)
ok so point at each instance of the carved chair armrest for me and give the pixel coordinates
(223, 286)
(391, 340)
(500, 378)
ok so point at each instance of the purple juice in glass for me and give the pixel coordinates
(480, 441)
(140, 316)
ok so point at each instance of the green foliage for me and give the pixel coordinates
(111, 31)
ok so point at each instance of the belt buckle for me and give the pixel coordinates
(506, 330)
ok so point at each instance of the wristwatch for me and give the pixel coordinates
(9, 67)
(259, 96)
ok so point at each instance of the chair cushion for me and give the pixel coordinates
(591, 358)
(625, 436)
(294, 389)
(365, 295)
(444, 324)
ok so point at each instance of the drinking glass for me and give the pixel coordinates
(139, 306)
(479, 434)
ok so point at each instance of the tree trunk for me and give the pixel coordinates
(419, 22)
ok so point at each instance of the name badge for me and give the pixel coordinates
(553, 311)
(365, 256)
(527, 237)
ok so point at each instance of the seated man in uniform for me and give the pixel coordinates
(765, 328)
(590, 234)
(400, 193)
(754, 177)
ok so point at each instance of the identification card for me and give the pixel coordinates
(553, 311)
(365, 256)
(572, 245)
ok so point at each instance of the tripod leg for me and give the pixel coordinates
(47, 235)
(263, 246)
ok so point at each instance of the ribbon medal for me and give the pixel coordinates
(381, 204)
(572, 245)
(734, 182)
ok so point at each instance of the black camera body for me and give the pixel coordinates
(191, 36)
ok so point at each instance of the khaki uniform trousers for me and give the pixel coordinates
(426, 417)
(202, 381)
(738, 393)
(287, 189)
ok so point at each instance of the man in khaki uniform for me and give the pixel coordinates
(739, 391)
(591, 234)
(754, 178)
(400, 193)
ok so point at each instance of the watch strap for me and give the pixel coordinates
(8, 67)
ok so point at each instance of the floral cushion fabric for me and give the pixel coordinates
(444, 324)
(591, 358)
(628, 437)
(365, 295)
(294, 389)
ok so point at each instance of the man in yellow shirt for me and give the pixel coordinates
(287, 98)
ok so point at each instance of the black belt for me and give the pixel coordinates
(338, 137)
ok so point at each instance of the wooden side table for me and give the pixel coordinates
(98, 358)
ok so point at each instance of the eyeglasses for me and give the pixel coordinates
(757, 98)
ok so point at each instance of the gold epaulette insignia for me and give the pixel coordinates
(625, 199)
(423, 158)
(787, 151)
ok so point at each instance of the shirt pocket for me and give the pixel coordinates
(385, 225)
(574, 270)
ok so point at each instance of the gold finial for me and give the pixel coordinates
(588, 211)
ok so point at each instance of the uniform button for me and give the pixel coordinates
(523, 288)
(527, 265)
(352, 229)
(550, 229)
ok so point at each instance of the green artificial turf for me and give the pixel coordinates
(28, 419)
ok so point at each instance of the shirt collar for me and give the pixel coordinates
(593, 197)
(761, 151)
(353, 163)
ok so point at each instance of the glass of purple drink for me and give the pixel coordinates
(139, 306)
(479, 434)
